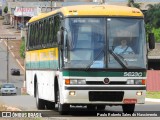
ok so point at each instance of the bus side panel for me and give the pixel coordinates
(29, 82)
(45, 80)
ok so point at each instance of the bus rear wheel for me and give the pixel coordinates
(39, 102)
(50, 105)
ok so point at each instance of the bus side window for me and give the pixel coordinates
(56, 28)
(36, 35)
(32, 36)
(29, 36)
(44, 34)
(47, 32)
(41, 33)
(51, 25)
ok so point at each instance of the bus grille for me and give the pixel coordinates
(106, 96)
(102, 83)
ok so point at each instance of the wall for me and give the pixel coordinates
(153, 80)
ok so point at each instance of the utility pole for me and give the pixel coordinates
(51, 4)
(7, 62)
(7, 57)
(22, 18)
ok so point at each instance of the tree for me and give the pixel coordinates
(5, 9)
(131, 3)
(152, 20)
(152, 15)
(22, 48)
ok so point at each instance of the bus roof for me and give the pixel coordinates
(93, 10)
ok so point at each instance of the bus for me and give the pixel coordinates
(70, 58)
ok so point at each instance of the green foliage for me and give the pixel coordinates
(148, 28)
(131, 3)
(156, 34)
(151, 94)
(5, 9)
(152, 15)
(152, 20)
(22, 48)
(137, 5)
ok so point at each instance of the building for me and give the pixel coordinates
(20, 11)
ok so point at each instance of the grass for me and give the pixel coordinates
(155, 95)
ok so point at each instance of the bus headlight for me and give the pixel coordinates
(135, 82)
(81, 82)
(130, 82)
(75, 81)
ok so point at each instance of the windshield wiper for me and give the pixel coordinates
(97, 56)
(117, 59)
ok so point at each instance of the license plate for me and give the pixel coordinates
(130, 101)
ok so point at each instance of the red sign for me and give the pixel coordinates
(25, 11)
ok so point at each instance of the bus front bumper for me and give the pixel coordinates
(104, 95)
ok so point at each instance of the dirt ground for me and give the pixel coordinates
(16, 51)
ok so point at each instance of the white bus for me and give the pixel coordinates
(70, 58)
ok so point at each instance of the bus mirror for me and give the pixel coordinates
(151, 40)
(59, 34)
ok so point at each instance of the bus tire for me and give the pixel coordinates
(40, 103)
(62, 108)
(50, 105)
(128, 108)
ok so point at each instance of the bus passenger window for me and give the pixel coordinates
(56, 28)
(51, 31)
(44, 33)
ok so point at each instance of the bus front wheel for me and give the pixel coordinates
(128, 108)
(62, 108)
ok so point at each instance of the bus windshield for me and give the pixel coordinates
(104, 43)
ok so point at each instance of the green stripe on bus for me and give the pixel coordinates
(42, 65)
(98, 74)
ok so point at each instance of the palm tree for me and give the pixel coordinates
(131, 3)
(152, 15)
